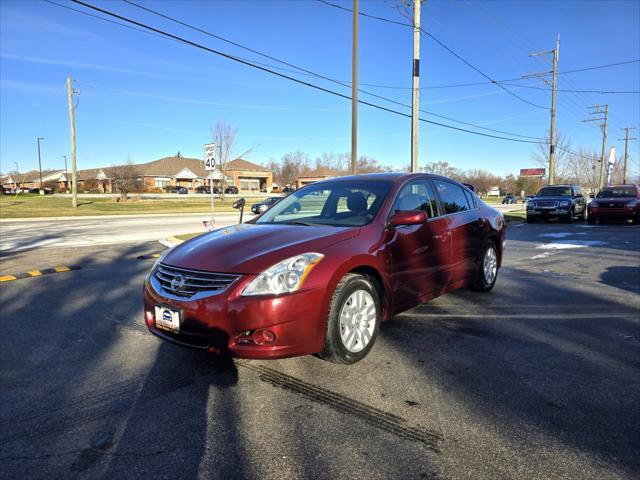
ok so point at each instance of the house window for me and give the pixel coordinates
(161, 183)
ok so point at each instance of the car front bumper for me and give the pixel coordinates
(548, 212)
(224, 323)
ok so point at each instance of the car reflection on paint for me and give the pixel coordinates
(320, 270)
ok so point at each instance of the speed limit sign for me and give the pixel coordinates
(210, 156)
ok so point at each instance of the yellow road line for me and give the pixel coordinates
(62, 269)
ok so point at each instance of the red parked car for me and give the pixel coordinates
(357, 251)
(616, 202)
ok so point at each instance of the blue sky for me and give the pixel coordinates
(146, 97)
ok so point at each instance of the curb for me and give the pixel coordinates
(37, 273)
(124, 216)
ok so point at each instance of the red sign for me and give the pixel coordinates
(532, 172)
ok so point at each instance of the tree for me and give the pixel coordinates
(444, 169)
(223, 136)
(126, 178)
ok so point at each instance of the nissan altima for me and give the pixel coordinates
(321, 277)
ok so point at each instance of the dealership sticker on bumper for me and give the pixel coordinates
(167, 318)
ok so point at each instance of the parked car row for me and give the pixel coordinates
(568, 203)
(205, 189)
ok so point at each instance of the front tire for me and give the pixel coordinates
(354, 320)
(569, 218)
(591, 219)
(531, 220)
(486, 273)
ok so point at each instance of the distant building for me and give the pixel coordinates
(316, 175)
(493, 192)
(153, 176)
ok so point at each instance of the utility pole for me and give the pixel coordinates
(40, 163)
(354, 91)
(552, 132)
(415, 86)
(598, 110)
(626, 151)
(72, 122)
(66, 170)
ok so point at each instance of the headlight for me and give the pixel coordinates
(284, 277)
(564, 203)
(632, 203)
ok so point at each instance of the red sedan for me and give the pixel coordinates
(616, 202)
(319, 271)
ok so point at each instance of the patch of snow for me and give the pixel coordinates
(560, 234)
(573, 244)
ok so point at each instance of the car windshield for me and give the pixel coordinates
(617, 192)
(343, 203)
(554, 192)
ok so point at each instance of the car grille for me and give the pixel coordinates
(611, 204)
(546, 203)
(187, 283)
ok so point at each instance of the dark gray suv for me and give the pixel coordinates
(557, 201)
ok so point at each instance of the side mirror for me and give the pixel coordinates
(591, 195)
(408, 217)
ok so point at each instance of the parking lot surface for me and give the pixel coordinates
(538, 379)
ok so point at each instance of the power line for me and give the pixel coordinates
(310, 72)
(448, 49)
(302, 82)
(170, 36)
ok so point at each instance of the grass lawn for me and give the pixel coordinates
(32, 205)
(187, 236)
(512, 217)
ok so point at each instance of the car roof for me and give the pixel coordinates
(622, 185)
(391, 176)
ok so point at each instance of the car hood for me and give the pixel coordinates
(551, 199)
(613, 200)
(252, 248)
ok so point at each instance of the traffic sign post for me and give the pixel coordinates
(210, 166)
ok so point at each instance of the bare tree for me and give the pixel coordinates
(223, 136)
(126, 178)
(444, 169)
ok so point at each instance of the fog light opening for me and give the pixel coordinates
(150, 318)
(264, 337)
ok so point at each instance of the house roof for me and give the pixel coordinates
(170, 166)
(32, 176)
(321, 172)
(240, 164)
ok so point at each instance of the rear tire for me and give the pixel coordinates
(353, 322)
(583, 214)
(569, 218)
(486, 272)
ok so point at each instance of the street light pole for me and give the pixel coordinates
(40, 161)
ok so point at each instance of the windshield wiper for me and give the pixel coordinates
(298, 222)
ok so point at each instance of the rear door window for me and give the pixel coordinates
(452, 197)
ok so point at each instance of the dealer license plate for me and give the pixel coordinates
(167, 318)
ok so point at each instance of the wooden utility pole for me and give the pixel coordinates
(597, 110)
(626, 151)
(354, 91)
(415, 87)
(552, 132)
(72, 122)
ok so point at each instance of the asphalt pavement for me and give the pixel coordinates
(18, 235)
(538, 379)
